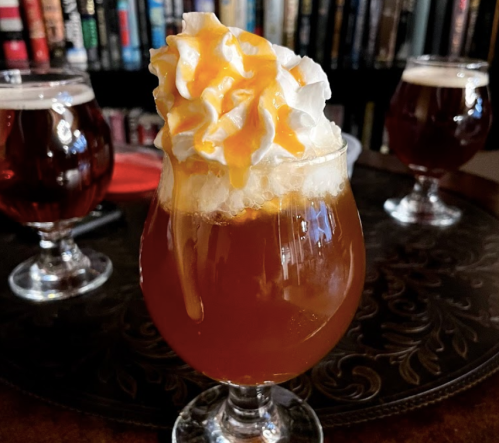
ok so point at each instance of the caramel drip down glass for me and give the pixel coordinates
(254, 298)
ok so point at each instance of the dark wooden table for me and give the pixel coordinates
(470, 416)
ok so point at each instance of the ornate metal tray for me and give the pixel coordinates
(428, 325)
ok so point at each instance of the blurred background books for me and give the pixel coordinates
(361, 44)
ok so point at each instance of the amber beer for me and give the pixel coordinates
(439, 117)
(55, 153)
(258, 297)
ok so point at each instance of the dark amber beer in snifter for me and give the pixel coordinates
(439, 117)
(56, 161)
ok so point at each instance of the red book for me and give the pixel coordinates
(36, 29)
(458, 26)
(11, 28)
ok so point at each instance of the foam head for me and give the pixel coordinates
(28, 96)
(445, 77)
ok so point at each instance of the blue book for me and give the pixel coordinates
(157, 19)
(251, 15)
(358, 33)
(129, 32)
(421, 13)
(204, 5)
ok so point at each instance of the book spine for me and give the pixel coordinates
(473, 15)
(375, 9)
(178, 10)
(251, 15)
(54, 28)
(367, 128)
(36, 29)
(493, 35)
(204, 5)
(171, 29)
(458, 21)
(188, 5)
(438, 26)
(259, 17)
(241, 14)
(130, 51)
(158, 24)
(388, 32)
(405, 32)
(11, 30)
(113, 28)
(322, 27)
(421, 13)
(349, 32)
(273, 21)
(90, 33)
(291, 8)
(228, 12)
(144, 29)
(76, 54)
(105, 54)
(335, 113)
(359, 33)
(304, 26)
(338, 24)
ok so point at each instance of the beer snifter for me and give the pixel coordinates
(56, 161)
(439, 117)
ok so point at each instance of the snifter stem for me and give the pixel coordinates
(247, 414)
(61, 270)
(423, 205)
(425, 193)
(59, 254)
(250, 413)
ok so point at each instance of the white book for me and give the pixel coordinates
(273, 21)
(290, 23)
(228, 12)
(241, 14)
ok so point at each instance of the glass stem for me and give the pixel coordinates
(425, 192)
(250, 413)
(59, 254)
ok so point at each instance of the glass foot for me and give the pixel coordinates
(32, 281)
(434, 213)
(204, 420)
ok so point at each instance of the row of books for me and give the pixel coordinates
(136, 127)
(88, 34)
(133, 127)
(114, 34)
(365, 122)
(382, 33)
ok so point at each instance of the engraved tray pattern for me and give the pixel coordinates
(427, 327)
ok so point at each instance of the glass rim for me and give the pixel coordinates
(294, 161)
(73, 77)
(322, 158)
(449, 61)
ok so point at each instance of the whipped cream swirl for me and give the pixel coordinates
(232, 97)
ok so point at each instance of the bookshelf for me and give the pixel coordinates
(366, 41)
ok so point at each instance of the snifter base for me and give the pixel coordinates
(434, 213)
(28, 281)
(289, 419)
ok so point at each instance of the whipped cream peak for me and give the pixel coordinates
(232, 97)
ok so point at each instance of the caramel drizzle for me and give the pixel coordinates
(216, 81)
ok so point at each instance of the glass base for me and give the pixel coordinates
(28, 280)
(434, 213)
(203, 421)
